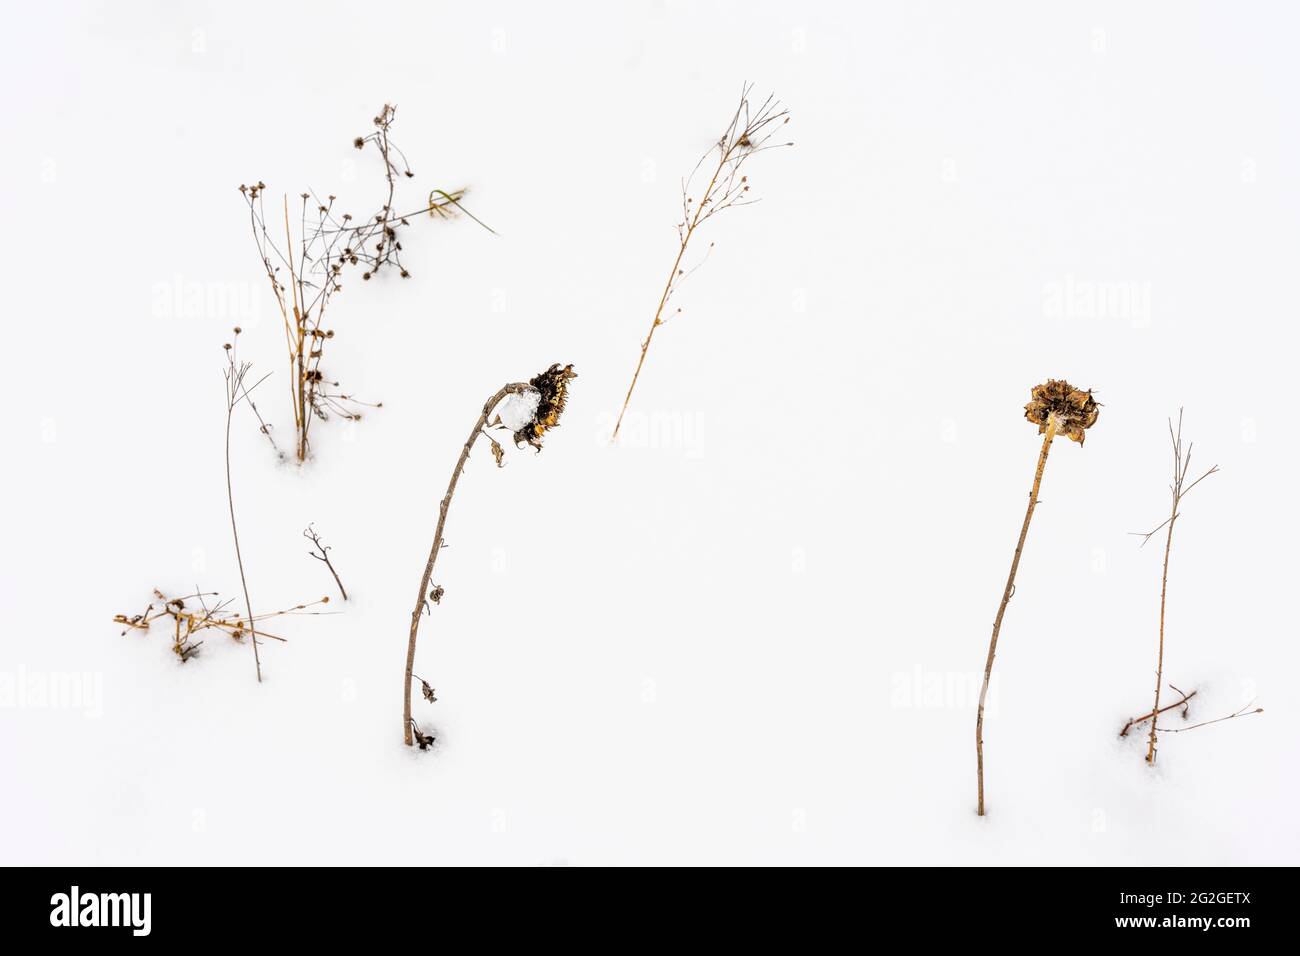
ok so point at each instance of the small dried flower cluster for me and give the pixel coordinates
(190, 619)
(1074, 410)
(552, 387)
(327, 241)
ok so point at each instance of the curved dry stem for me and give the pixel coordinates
(422, 598)
(1002, 608)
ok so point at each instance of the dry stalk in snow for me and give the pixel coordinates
(540, 402)
(1178, 490)
(748, 134)
(1056, 407)
(1178, 487)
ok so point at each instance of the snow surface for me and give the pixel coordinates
(519, 409)
(751, 631)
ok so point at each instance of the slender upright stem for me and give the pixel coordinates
(1160, 647)
(422, 598)
(234, 531)
(1002, 608)
(725, 156)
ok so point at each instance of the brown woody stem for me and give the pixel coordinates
(421, 599)
(1002, 608)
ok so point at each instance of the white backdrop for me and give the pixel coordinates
(751, 631)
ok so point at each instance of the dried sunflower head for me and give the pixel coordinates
(552, 388)
(1074, 409)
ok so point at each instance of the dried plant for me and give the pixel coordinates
(749, 133)
(321, 553)
(236, 392)
(1056, 407)
(189, 621)
(328, 242)
(534, 409)
(1178, 489)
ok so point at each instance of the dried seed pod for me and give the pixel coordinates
(1074, 409)
(424, 740)
(553, 390)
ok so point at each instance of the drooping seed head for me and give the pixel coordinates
(1074, 409)
(552, 387)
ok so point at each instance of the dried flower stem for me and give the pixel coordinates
(422, 599)
(745, 135)
(188, 623)
(1244, 712)
(327, 241)
(236, 393)
(1048, 435)
(1182, 462)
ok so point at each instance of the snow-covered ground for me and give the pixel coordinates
(751, 632)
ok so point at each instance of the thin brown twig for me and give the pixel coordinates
(321, 553)
(1137, 721)
(1244, 712)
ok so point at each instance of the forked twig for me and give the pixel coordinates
(322, 553)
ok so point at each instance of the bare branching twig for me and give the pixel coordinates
(321, 553)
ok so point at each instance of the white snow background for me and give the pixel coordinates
(752, 631)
